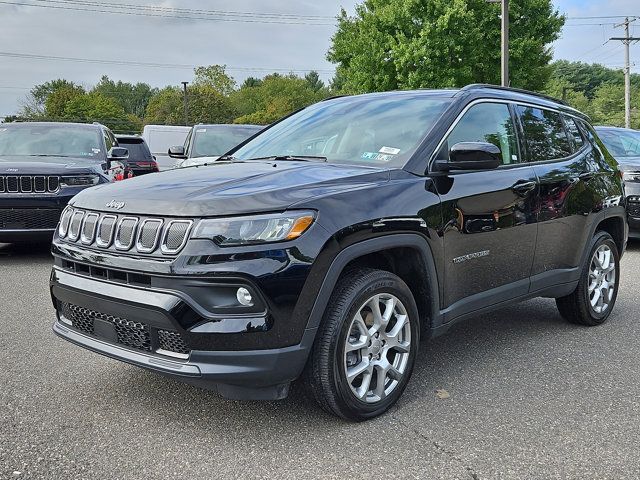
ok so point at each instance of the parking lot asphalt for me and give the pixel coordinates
(528, 396)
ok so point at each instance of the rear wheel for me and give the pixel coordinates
(593, 299)
(366, 346)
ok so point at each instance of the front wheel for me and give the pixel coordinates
(366, 346)
(593, 299)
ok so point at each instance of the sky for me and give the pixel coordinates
(245, 43)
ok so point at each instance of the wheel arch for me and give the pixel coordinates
(388, 253)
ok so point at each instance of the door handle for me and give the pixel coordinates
(523, 187)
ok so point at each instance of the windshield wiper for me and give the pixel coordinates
(228, 158)
(293, 158)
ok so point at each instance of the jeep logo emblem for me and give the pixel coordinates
(12, 169)
(116, 205)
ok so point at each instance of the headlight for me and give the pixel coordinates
(631, 176)
(255, 229)
(79, 181)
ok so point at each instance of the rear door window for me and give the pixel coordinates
(544, 134)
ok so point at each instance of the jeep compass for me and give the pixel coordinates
(324, 248)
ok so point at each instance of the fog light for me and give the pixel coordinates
(244, 297)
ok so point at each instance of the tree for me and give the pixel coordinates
(277, 96)
(313, 79)
(588, 78)
(133, 98)
(392, 44)
(214, 76)
(56, 102)
(34, 105)
(163, 106)
(96, 107)
(607, 106)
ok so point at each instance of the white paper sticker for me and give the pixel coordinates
(390, 150)
(96, 150)
(201, 130)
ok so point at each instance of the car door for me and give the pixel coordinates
(489, 223)
(560, 157)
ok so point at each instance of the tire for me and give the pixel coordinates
(578, 307)
(373, 348)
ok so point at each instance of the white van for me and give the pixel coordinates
(160, 138)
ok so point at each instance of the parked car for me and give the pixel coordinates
(140, 159)
(43, 165)
(206, 143)
(624, 145)
(160, 138)
(326, 246)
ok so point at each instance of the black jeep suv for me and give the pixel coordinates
(326, 246)
(42, 166)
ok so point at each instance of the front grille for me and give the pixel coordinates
(175, 235)
(633, 209)
(29, 184)
(28, 218)
(172, 342)
(129, 333)
(124, 232)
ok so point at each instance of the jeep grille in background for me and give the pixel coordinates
(124, 232)
(29, 184)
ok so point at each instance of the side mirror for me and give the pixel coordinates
(118, 153)
(473, 156)
(177, 152)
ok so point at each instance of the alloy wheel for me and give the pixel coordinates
(377, 348)
(602, 279)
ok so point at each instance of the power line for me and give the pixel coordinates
(160, 8)
(284, 21)
(153, 64)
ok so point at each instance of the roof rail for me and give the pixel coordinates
(478, 86)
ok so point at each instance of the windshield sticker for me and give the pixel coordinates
(390, 150)
(95, 150)
(201, 130)
(376, 156)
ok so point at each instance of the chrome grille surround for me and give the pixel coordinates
(148, 235)
(106, 229)
(76, 225)
(89, 228)
(126, 231)
(29, 184)
(171, 246)
(65, 219)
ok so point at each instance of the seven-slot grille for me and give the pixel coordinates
(124, 233)
(29, 184)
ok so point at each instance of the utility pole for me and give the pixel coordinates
(186, 106)
(626, 40)
(504, 41)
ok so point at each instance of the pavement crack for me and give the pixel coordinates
(440, 448)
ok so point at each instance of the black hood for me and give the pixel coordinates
(34, 165)
(228, 188)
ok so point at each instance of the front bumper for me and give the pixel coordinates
(633, 208)
(129, 323)
(243, 375)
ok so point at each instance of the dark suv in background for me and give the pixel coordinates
(326, 246)
(140, 159)
(43, 165)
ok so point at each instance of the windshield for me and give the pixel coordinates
(621, 143)
(381, 131)
(213, 141)
(50, 141)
